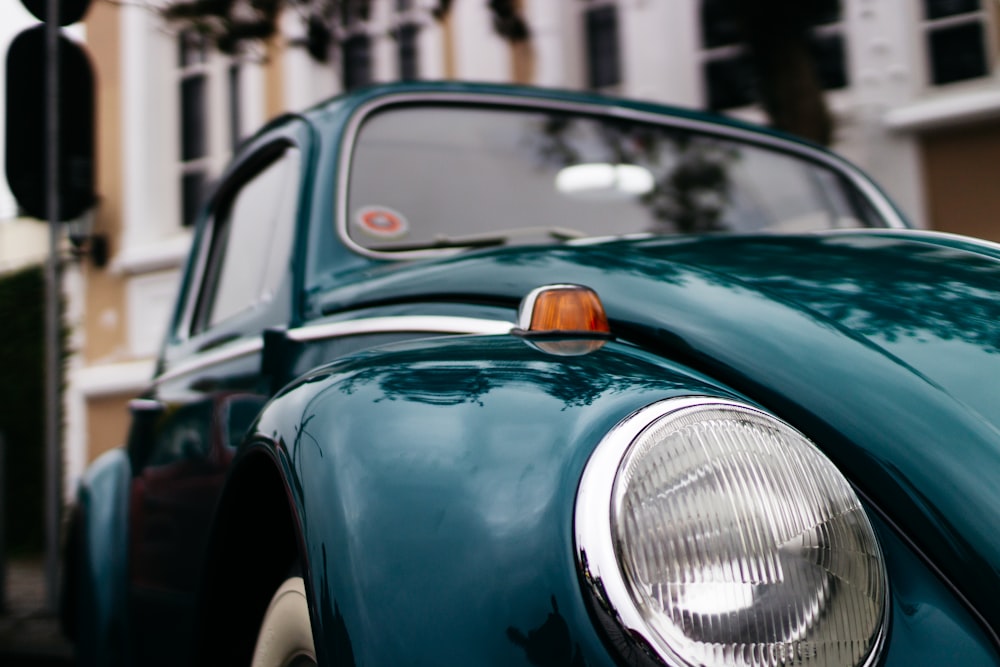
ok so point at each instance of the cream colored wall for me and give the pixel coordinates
(104, 334)
(23, 241)
(274, 102)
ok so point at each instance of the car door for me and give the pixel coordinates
(208, 390)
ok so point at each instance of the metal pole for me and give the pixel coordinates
(52, 319)
(3, 526)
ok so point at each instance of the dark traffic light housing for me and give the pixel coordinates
(27, 138)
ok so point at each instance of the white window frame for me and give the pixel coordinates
(214, 67)
(987, 15)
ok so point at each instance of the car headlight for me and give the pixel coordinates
(716, 534)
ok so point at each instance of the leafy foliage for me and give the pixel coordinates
(230, 25)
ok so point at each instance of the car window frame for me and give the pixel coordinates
(219, 240)
(186, 336)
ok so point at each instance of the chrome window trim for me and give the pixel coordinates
(921, 234)
(199, 263)
(367, 325)
(221, 354)
(864, 185)
(198, 269)
(595, 553)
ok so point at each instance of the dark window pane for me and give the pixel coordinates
(602, 47)
(354, 11)
(731, 82)
(935, 9)
(830, 62)
(719, 26)
(827, 11)
(408, 56)
(357, 62)
(235, 99)
(957, 53)
(193, 117)
(190, 49)
(192, 192)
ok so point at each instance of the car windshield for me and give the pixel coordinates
(453, 176)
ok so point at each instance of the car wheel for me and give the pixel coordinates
(285, 638)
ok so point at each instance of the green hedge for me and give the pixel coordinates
(22, 408)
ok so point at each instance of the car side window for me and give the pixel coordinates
(251, 242)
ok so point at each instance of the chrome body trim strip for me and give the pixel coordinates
(227, 352)
(401, 323)
(314, 332)
(875, 197)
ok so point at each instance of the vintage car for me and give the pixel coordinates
(466, 374)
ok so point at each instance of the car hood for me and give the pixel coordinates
(883, 347)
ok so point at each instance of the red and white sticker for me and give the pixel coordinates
(381, 222)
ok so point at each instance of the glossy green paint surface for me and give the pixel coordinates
(883, 348)
(99, 591)
(445, 475)
(436, 484)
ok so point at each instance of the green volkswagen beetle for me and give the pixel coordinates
(478, 375)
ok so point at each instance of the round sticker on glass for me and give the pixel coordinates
(381, 222)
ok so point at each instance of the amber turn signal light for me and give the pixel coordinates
(572, 309)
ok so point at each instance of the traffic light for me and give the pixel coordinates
(70, 11)
(27, 138)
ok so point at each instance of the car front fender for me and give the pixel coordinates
(99, 561)
(435, 485)
(426, 492)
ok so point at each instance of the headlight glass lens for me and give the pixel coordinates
(740, 543)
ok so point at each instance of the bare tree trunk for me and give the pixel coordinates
(777, 33)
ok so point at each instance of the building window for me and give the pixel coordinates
(406, 42)
(193, 144)
(193, 184)
(357, 61)
(601, 36)
(728, 68)
(956, 40)
(235, 90)
(353, 12)
(193, 63)
(210, 111)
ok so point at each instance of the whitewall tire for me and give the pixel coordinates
(285, 636)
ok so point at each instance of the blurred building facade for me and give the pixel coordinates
(913, 86)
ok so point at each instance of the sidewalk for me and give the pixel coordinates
(29, 633)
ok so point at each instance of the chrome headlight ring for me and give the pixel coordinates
(713, 533)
